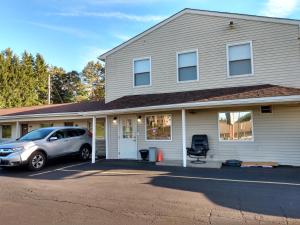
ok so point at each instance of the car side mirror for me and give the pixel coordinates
(53, 138)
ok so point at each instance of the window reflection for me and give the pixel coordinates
(236, 126)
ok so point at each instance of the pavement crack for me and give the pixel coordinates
(69, 202)
(209, 216)
(284, 214)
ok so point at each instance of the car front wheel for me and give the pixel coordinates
(37, 161)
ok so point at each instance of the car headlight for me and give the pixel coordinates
(18, 149)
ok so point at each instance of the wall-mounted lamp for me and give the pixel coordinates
(231, 24)
(115, 120)
(139, 119)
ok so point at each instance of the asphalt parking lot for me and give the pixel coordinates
(124, 192)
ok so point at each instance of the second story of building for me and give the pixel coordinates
(195, 50)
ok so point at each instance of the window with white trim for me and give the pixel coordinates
(159, 127)
(235, 126)
(187, 66)
(142, 72)
(6, 131)
(240, 59)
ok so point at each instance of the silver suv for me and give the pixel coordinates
(36, 147)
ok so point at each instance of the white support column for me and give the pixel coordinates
(106, 137)
(94, 140)
(18, 129)
(183, 124)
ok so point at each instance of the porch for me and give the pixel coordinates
(251, 135)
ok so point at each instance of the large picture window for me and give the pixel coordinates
(159, 127)
(235, 126)
(142, 72)
(240, 59)
(6, 131)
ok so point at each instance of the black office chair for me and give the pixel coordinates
(199, 147)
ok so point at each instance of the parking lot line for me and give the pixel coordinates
(59, 169)
(235, 180)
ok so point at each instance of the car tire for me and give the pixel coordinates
(85, 152)
(37, 161)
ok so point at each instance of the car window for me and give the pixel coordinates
(71, 133)
(80, 132)
(60, 134)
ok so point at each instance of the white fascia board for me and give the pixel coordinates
(209, 104)
(206, 13)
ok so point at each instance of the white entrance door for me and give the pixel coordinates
(127, 141)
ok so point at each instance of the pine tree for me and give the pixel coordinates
(93, 75)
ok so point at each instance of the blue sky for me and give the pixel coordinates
(69, 33)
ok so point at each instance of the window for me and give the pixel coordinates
(240, 60)
(127, 129)
(142, 72)
(68, 124)
(235, 126)
(43, 125)
(187, 66)
(60, 134)
(6, 131)
(159, 127)
(100, 129)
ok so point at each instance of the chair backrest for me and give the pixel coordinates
(200, 142)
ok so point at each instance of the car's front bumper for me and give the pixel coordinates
(10, 160)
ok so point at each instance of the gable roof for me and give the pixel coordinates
(202, 12)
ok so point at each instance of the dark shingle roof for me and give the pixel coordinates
(147, 100)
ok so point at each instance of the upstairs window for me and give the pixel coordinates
(142, 72)
(187, 66)
(240, 60)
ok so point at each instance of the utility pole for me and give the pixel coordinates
(49, 89)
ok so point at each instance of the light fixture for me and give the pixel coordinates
(139, 119)
(115, 120)
(231, 24)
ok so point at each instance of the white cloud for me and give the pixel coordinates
(122, 37)
(280, 8)
(89, 53)
(116, 15)
(63, 29)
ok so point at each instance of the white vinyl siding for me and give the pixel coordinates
(240, 60)
(142, 72)
(276, 55)
(187, 66)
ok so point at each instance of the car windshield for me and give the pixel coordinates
(36, 134)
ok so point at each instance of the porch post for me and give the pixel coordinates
(94, 140)
(183, 126)
(106, 137)
(17, 129)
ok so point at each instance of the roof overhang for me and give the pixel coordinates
(206, 13)
(191, 105)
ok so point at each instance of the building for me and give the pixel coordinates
(233, 77)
